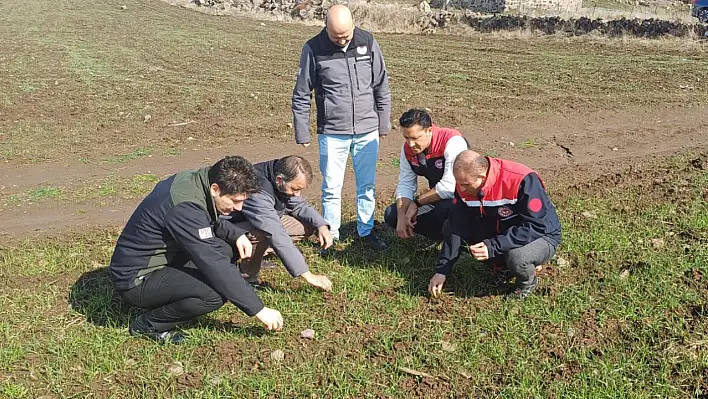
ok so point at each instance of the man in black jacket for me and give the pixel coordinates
(279, 214)
(174, 256)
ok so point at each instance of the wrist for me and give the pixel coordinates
(417, 202)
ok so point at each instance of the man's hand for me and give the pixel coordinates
(325, 237)
(271, 318)
(318, 280)
(436, 284)
(404, 228)
(479, 251)
(305, 145)
(244, 246)
(412, 213)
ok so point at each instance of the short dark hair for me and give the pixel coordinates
(416, 116)
(290, 167)
(234, 175)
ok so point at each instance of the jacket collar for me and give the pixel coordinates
(267, 171)
(358, 39)
(492, 175)
(205, 186)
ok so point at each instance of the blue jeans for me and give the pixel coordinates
(334, 152)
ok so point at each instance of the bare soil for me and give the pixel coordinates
(565, 149)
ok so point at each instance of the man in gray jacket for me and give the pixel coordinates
(345, 67)
(278, 214)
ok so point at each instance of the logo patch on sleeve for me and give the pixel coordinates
(205, 233)
(439, 164)
(535, 205)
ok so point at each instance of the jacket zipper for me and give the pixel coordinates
(356, 75)
(351, 89)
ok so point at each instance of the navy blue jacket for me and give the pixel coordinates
(512, 209)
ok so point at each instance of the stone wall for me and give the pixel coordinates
(497, 6)
(423, 19)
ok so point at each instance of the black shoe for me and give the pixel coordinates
(329, 251)
(137, 329)
(374, 242)
(521, 291)
(266, 264)
(260, 285)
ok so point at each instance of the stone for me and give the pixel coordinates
(624, 274)
(175, 368)
(424, 6)
(657, 243)
(448, 347)
(588, 215)
(307, 333)
(277, 355)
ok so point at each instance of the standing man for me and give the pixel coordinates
(429, 151)
(345, 67)
(279, 215)
(503, 214)
(174, 256)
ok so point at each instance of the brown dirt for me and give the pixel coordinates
(424, 387)
(565, 149)
(585, 333)
(191, 380)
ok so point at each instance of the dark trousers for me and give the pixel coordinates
(430, 218)
(175, 294)
(521, 262)
(296, 229)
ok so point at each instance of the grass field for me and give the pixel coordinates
(621, 312)
(621, 315)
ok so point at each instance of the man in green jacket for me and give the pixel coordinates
(174, 257)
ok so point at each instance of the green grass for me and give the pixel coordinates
(529, 143)
(624, 319)
(139, 153)
(109, 187)
(172, 152)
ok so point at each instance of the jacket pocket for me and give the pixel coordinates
(328, 107)
(362, 68)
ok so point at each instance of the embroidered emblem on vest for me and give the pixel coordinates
(505, 211)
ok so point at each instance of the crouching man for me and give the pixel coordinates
(429, 151)
(502, 209)
(280, 215)
(175, 259)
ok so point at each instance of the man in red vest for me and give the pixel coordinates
(429, 151)
(502, 213)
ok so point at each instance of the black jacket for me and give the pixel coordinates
(175, 223)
